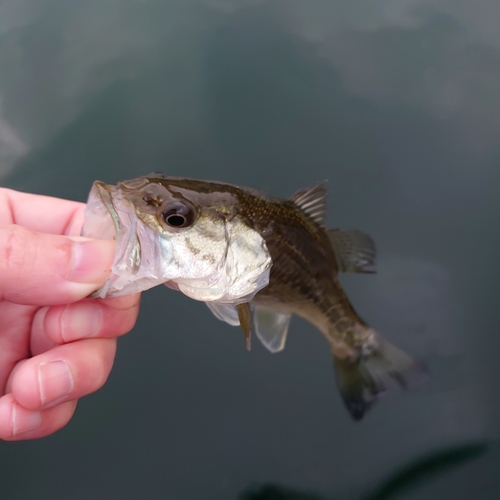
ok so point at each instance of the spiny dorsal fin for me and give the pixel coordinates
(312, 201)
(354, 250)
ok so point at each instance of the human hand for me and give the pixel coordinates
(55, 345)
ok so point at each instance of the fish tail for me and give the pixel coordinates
(381, 368)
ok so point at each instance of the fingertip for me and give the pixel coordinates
(24, 421)
(18, 423)
(123, 302)
(79, 321)
(8, 387)
(64, 373)
(91, 260)
(24, 385)
(47, 269)
(90, 318)
(6, 428)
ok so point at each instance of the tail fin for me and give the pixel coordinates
(386, 367)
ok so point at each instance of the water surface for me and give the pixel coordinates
(397, 104)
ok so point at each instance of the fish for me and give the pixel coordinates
(255, 260)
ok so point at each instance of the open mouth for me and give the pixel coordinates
(101, 219)
(109, 216)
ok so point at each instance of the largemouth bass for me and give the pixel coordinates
(252, 258)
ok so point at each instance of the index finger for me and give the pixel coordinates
(40, 213)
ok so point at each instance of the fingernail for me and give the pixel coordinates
(24, 420)
(92, 260)
(55, 382)
(81, 320)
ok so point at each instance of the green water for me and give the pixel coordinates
(397, 104)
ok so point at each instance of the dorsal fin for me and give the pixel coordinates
(312, 200)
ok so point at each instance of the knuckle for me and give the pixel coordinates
(17, 247)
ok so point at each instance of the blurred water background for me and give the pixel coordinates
(397, 104)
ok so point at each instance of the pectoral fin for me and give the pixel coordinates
(354, 250)
(224, 312)
(271, 327)
(245, 318)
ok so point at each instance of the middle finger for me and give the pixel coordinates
(88, 318)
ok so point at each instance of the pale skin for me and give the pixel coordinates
(55, 344)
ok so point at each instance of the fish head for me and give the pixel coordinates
(186, 234)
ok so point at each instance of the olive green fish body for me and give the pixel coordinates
(250, 255)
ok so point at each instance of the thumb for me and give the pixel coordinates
(46, 269)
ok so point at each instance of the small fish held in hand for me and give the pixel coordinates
(252, 258)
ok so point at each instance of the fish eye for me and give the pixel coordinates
(178, 214)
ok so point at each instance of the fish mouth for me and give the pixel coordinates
(109, 215)
(101, 205)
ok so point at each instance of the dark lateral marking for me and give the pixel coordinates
(209, 258)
